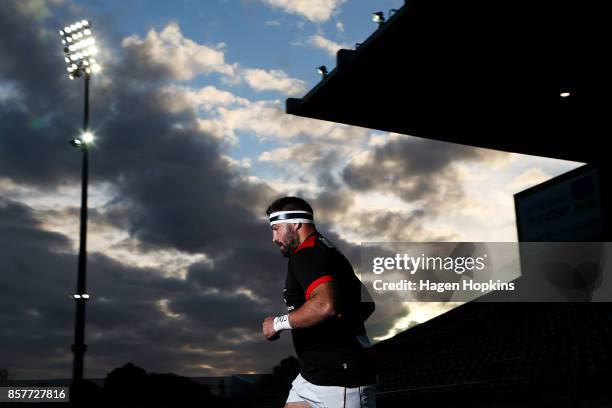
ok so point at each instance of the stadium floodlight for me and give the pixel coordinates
(79, 47)
(378, 17)
(565, 94)
(87, 137)
(322, 70)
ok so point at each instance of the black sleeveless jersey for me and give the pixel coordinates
(335, 351)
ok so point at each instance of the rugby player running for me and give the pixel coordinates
(326, 314)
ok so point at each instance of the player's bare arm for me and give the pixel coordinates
(320, 306)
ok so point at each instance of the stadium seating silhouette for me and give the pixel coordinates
(524, 350)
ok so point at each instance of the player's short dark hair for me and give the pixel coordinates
(288, 204)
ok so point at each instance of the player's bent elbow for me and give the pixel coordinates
(329, 310)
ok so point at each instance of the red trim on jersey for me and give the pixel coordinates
(308, 243)
(317, 282)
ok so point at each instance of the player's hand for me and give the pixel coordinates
(268, 329)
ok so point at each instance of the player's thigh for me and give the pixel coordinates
(298, 405)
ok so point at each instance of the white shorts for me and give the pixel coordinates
(330, 396)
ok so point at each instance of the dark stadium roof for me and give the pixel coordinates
(481, 73)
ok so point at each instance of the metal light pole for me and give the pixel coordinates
(79, 346)
(79, 48)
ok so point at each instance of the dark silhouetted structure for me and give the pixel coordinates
(521, 76)
(481, 73)
(272, 389)
(501, 355)
(131, 384)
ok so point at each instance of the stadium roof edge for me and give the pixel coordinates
(478, 73)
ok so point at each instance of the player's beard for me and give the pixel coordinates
(291, 242)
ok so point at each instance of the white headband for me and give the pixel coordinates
(291, 217)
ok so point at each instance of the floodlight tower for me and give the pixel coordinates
(80, 50)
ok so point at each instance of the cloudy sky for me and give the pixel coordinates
(192, 145)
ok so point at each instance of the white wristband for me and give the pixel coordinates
(281, 323)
